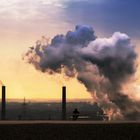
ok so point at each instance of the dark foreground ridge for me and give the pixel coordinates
(69, 130)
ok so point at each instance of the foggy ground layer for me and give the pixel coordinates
(69, 130)
(48, 110)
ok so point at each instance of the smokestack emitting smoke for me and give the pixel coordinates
(103, 65)
(3, 103)
(64, 103)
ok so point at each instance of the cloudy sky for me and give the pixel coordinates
(24, 22)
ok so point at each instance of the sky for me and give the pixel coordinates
(24, 22)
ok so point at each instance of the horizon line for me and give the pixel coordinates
(46, 100)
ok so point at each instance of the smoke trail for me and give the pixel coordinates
(103, 65)
(1, 83)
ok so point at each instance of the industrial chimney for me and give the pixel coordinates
(3, 103)
(63, 103)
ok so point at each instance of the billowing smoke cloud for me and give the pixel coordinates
(103, 65)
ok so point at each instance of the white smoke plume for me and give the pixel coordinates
(103, 65)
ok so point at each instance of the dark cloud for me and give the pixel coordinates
(103, 65)
(114, 56)
(81, 35)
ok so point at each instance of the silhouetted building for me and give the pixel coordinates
(3, 103)
(75, 114)
(64, 103)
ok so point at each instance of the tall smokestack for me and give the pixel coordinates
(63, 103)
(3, 103)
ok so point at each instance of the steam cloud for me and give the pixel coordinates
(103, 65)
